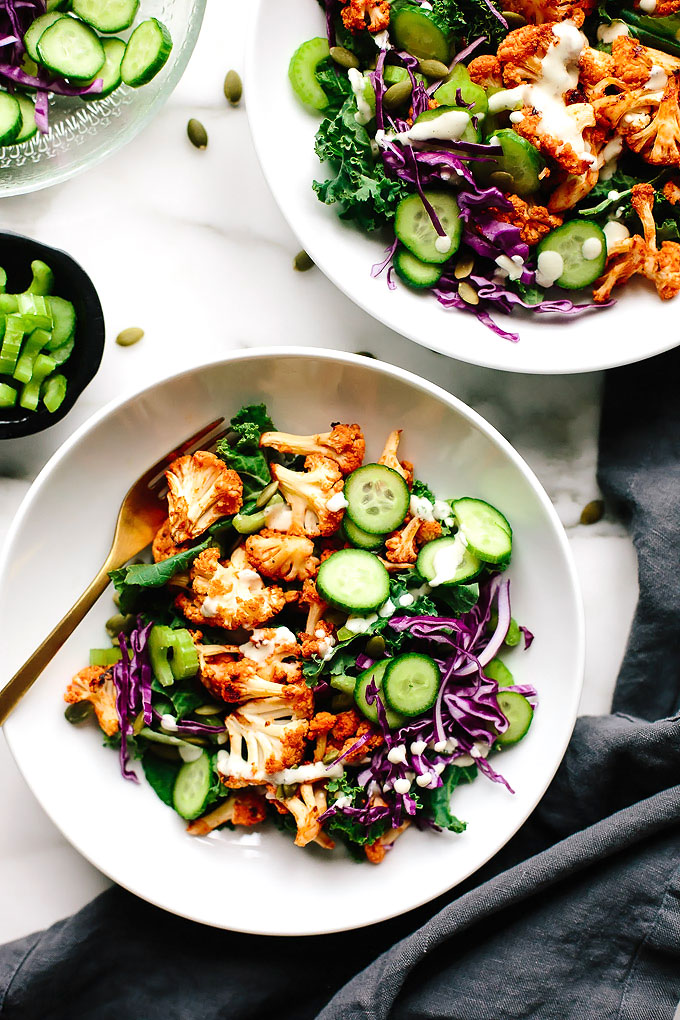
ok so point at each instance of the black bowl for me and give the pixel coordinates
(70, 282)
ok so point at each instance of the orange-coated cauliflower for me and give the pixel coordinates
(371, 14)
(282, 556)
(201, 490)
(230, 594)
(316, 606)
(537, 12)
(521, 52)
(319, 728)
(375, 852)
(486, 71)
(256, 669)
(247, 808)
(658, 141)
(671, 192)
(533, 221)
(319, 642)
(94, 684)
(389, 458)
(306, 806)
(594, 65)
(633, 63)
(563, 152)
(163, 545)
(344, 444)
(308, 493)
(401, 545)
(266, 736)
(349, 726)
(574, 188)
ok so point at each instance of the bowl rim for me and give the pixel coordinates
(425, 386)
(93, 332)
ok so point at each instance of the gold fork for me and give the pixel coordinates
(141, 514)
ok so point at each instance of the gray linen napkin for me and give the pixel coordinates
(578, 917)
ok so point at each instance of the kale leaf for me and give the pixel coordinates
(350, 832)
(437, 802)
(469, 19)
(421, 489)
(130, 581)
(242, 452)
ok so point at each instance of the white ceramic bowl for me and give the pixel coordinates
(60, 537)
(639, 326)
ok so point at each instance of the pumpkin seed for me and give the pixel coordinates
(302, 262)
(120, 624)
(501, 180)
(331, 754)
(366, 354)
(233, 87)
(266, 494)
(468, 293)
(433, 68)
(78, 712)
(343, 57)
(129, 336)
(138, 724)
(513, 19)
(375, 647)
(198, 136)
(592, 512)
(286, 791)
(397, 94)
(206, 709)
(464, 266)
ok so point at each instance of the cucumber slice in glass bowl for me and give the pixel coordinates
(146, 53)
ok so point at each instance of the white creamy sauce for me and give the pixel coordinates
(421, 507)
(550, 267)
(406, 599)
(169, 723)
(279, 517)
(610, 155)
(512, 268)
(251, 578)
(397, 754)
(439, 767)
(418, 746)
(259, 648)
(615, 232)
(210, 607)
(591, 248)
(424, 780)
(337, 502)
(443, 244)
(358, 82)
(387, 609)
(451, 744)
(559, 74)
(440, 510)
(233, 765)
(360, 624)
(446, 561)
(342, 802)
(382, 40)
(516, 117)
(657, 78)
(447, 127)
(439, 746)
(608, 33)
(402, 786)
(188, 752)
(648, 6)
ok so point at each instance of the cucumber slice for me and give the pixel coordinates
(447, 94)
(57, 5)
(106, 15)
(360, 538)
(378, 498)
(414, 272)
(36, 29)
(582, 247)
(114, 51)
(10, 119)
(353, 579)
(375, 673)
(147, 51)
(448, 557)
(519, 714)
(54, 391)
(302, 72)
(192, 787)
(411, 683)
(487, 533)
(414, 228)
(420, 32)
(29, 128)
(519, 159)
(72, 49)
(498, 671)
(514, 635)
(394, 73)
(63, 321)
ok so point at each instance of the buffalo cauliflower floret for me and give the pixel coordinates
(94, 684)
(533, 221)
(594, 65)
(319, 728)
(163, 545)
(282, 556)
(306, 806)
(401, 545)
(389, 458)
(316, 606)
(201, 490)
(658, 141)
(371, 14)
(633, 62)
(256, 669)
(344, 444)
(574, 188)
(308, 492)
(247, 809)
(348, 727)
(531, 128)
(486, 71)
(521, 52)
(266, 736)
(319, 642)
(537, 12)
(375, 852)
(671, 192)
(230, 595)
(233, 680)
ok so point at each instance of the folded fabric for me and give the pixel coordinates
(577, 918)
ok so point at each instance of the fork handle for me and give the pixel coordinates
(25, 677)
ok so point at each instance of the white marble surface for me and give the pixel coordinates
(190, 246)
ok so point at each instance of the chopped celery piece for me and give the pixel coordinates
(31, 349)
(8, 395)
(64, 321)
(11, 344)
(9, 303)
(54, 391)
(105, 656)
(30, 394)
(36, 310)
(3, 280)
(63, 352)
(43, 278)
(173, 654)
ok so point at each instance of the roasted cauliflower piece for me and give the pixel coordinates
(634, 63)
(306, 807)
(574, 188)
(257, 669)
(319, 728)
(594, 65)
(389, 458)
(94, 684)
(320, 642)
(265, 737)
(521, 52)
(486, 71)
(282, 556)
(248, 808)
(348, 727)
(344, 444)
(358, 15)
(201, 490)
(563, 152)
(375, 852)
(230, 594)
(163, 545)
(658, 142)
(308, 492)
(401, 545)
(533, 221)
(537, 12)
(671, 192)
(316, 606)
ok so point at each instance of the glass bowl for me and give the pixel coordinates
(85, 131)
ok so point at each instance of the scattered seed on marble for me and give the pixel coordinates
(233, 87)
(433, 68)
(592, 512)
(468, 293)
(343, 57)
(198, 136)
(514, 20)
(397, 94)
(464, 267)
(302, 262)
(129, 336)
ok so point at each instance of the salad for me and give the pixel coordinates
(316, 642)
(523, 160)
(69, 48)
